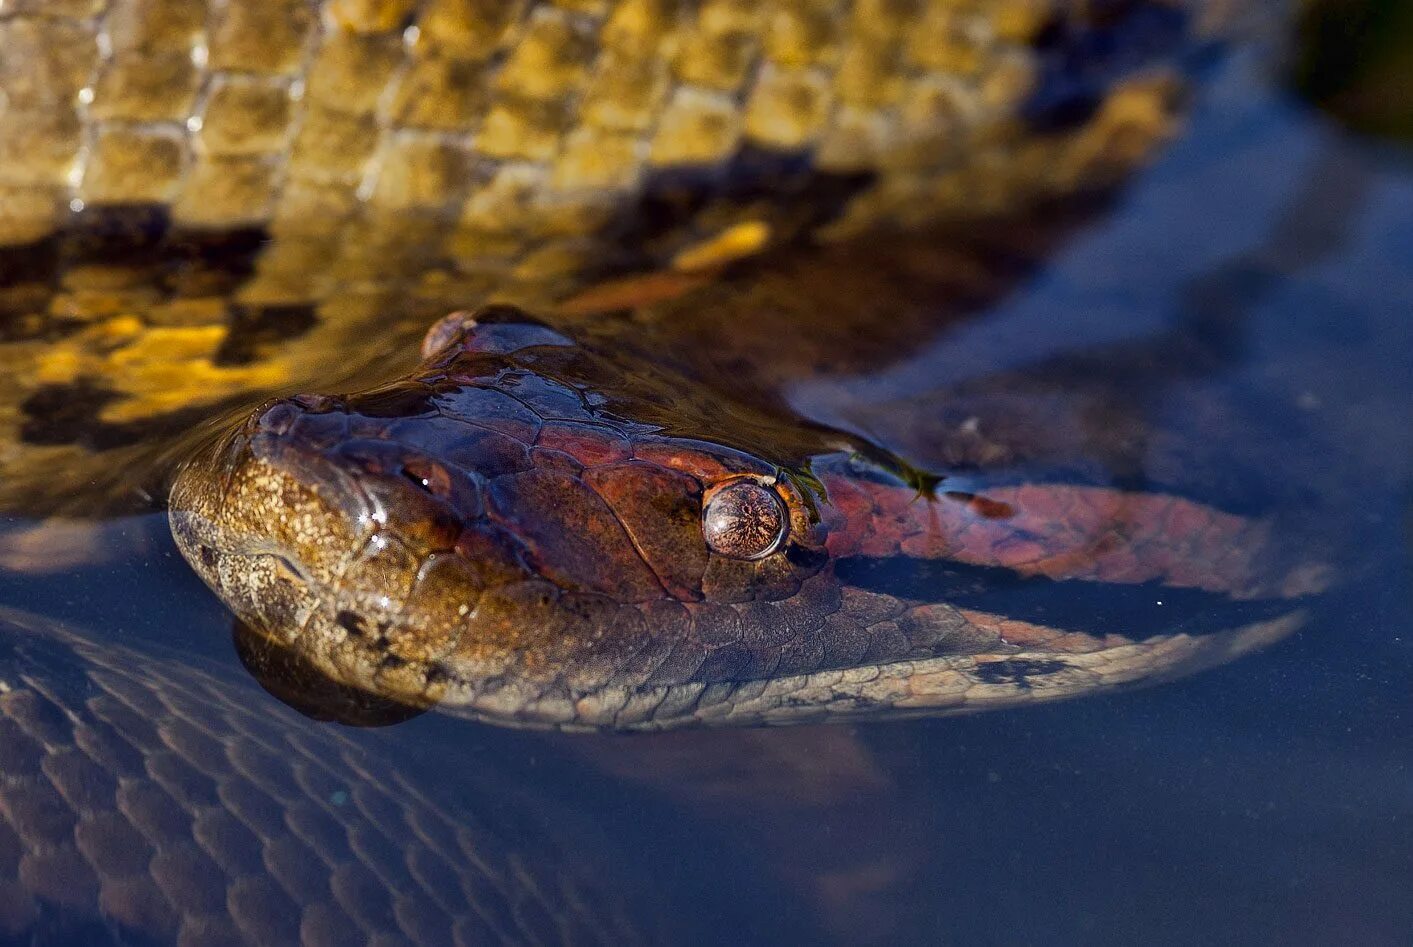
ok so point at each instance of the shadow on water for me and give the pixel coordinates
(1254, 341)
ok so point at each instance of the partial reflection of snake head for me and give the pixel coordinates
(536, 529)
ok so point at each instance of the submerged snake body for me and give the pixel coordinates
(149, 799)
(508, 534)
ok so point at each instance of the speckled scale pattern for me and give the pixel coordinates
(506, 121)
(146, 798)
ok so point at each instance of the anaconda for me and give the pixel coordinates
(122, 322)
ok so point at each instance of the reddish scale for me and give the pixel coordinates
(573, 537)
(542, 458)
(708, 463)
(590, 444)
(1059, 531)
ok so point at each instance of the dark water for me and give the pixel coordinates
(1270, 800)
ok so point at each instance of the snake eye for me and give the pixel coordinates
(744, 519)
(430, 477)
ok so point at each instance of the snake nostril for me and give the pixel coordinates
(277, 418)
(428, 476)
(279, 415)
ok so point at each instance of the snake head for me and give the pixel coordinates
(540, 530)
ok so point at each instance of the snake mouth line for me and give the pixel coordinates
(939, 686)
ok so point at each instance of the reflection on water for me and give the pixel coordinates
(1255, 281)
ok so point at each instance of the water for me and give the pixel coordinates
(1269, 800)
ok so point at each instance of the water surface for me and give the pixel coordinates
(1270, 800)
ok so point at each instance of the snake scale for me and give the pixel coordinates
(204, 203)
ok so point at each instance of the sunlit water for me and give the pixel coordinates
(1267, 800)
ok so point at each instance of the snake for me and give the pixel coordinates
(536, 526)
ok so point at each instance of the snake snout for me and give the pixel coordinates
(327, 533)
(267, 517)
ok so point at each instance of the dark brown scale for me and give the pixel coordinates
(547, 399)
(325, 429)
(395, 401)
(487, 452)
(591, 444)
(572, 534)
(486, 408)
